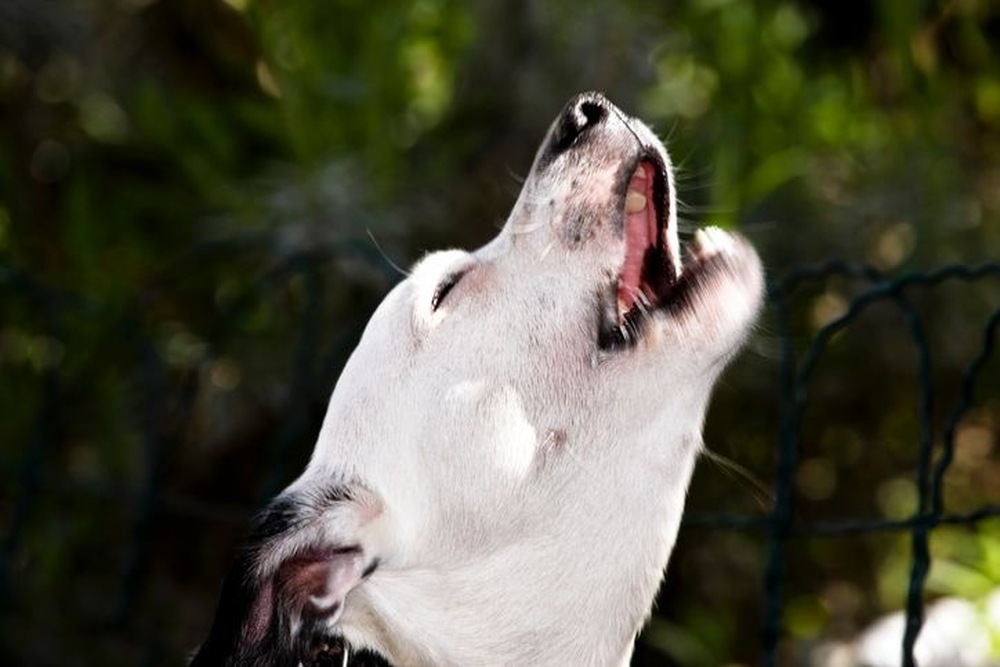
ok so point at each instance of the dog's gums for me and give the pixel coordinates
(501, 472)
(651, 277)
(642, 235)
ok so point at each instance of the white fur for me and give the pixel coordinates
(526, 487)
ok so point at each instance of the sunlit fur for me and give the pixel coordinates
(524, 488)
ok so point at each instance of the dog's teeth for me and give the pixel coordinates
(634, 201)
(711, 241)
(635, 198)
(701, 241)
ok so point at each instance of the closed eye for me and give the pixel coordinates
(444, 287)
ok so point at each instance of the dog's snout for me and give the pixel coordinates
(582, 114)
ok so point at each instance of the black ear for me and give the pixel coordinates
(283, 581)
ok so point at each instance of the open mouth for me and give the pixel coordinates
(653, 276)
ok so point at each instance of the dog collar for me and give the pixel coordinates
(338, 652)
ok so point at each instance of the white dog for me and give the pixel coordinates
(501, 472)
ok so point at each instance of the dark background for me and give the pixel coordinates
(201, 202)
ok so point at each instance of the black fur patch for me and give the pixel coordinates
(248, 629)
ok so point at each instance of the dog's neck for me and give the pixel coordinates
(500, 609)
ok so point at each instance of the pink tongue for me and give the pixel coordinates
(640, 234)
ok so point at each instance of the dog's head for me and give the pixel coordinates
(502, 468)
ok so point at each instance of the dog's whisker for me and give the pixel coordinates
(402, 272)
(762, 493)
(526, 228)
(516, 177)
(587, 469)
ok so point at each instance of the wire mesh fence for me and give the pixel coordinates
(47, 492)
(796, 374)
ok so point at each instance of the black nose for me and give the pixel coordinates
(582, 113)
